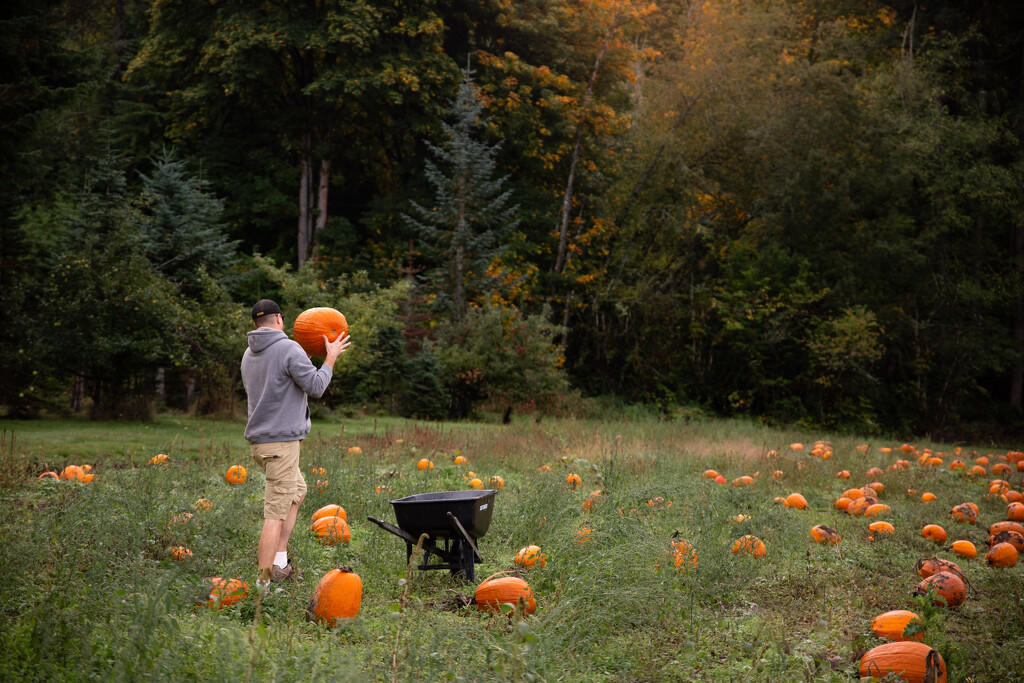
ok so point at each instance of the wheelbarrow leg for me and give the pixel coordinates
(468, 561)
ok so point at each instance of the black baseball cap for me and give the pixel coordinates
(265, 307)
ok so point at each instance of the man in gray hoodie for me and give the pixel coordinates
(278, 377)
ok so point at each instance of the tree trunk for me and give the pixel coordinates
(459, 296)
(1017, 376)
(321, 204)
(305, 195)
(563, 226)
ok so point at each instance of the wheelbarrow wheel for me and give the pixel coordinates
(462, 553)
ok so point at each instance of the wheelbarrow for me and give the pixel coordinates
(452, 520)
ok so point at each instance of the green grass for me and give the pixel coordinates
(90, 590)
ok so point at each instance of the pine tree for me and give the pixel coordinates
(471, 216)
(183, 233)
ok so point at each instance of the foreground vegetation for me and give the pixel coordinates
(90, 590)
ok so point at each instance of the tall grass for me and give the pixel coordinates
(90, 590)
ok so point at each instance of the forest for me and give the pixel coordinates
(800, 211)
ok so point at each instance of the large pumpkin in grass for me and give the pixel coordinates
(505, 590)
(749, 545)
(891, 625)
(218, 592)
(331, 510)
(314, 324)
(933, 565)
(946, 585)
(913, 662)
(332, 530)
(339, 595)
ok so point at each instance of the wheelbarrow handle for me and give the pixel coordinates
(462, 530)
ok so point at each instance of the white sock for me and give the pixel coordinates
(281, 559)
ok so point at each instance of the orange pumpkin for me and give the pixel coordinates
(573, 480)
(217, 592)
(843, 474)
(235, 475)
(180, 553)
(158, 459)
(933, 565)
(1006, 526)
(202, 505)
(314, 324)
(1001, 555)
(797, 501)
(825, 534)
(891, 625)
(331, 510)
(530, 556)
(947, 586)
(583, 535)
(72, 472)
(684, 555)
(49, 475)
(843, 503)
(860, 505)
(710, 474)
(934, 532)
(476, 484)
(1014, 538)
(881, 528)
(462, 460)
(425, 464)
(927, 497)
(749, 545)
(877, 510)
(338, 596)
(332, 530)
(965, 549)
(506, 590)
(913, 662)
(964, 513)
(495, 482)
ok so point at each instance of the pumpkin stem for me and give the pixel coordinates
(507, 571)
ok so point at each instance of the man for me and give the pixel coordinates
(278, 377)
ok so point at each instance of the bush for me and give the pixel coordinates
(499, 354)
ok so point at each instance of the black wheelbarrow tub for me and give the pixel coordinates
(427, 513)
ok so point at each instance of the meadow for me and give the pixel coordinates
(90, 590)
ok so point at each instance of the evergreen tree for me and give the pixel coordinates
(465, 228)
(183, 233)
(425, 396)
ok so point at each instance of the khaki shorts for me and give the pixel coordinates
(285, 484)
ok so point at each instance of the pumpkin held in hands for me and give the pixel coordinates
(314, 324)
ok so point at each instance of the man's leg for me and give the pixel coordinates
(287, 525)
(269, 540)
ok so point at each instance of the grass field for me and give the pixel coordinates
(90, 590)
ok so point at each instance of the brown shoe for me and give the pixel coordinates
(278, 575)
(289, 573)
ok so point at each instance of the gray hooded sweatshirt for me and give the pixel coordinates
(278, 376)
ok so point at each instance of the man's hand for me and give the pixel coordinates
(336, 348)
